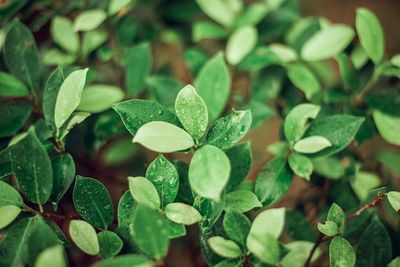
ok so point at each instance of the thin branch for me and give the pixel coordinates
(51, 215)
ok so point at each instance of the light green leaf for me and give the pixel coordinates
(329, 228)
(329, 167)
(192, 111)
(92, 40)
(222, 11)
(182, 213)
(99, 97)
(364, 182)
(394, 200)
(11, 86)
(395, 60)
(300, 165)
(336, 215)
(359, 57)
(116, 5)
(341, 253)
(128, 260)
(304, 79)
(269, 222)
(55, 56)
(69, 96)
(89, 20)
(75, 119)
(209, 172)
(395, 262)
(52, 256)
(63, 34)
(311, 144)
(163, 137)
(207, 30)
(84, 237)
(8, 214)
(241, 42)
(144, 192)
(110, 244)
(370, 33)
(9, 196)
(265, 248)
(241, 201)
(388, 126)
(138, 66)
(285, 53)
(329, 42)
(223, 247)
(298, 254)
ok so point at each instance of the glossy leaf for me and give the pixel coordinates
(126, 207)
(14, 117)
(99, 97)
(241, 201)
(50, 94)
(144, 192)
(225, 248)
(182, 213)
(63, 176)
(110, 244)
(84, 237)
(241, 42)
(138, 67)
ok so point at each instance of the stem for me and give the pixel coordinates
(51, 215)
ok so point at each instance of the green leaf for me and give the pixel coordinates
(336, 215)
(273, 181)
(69, 96)
(388, 126)
(329, 167)
(32, 167)
(11, 86)
(237, 226)
(148, 229)
(363, 183)
(99, 97)
(13, 117)
(207, 30)
(297, 121)
(394, 200)
(126, 207)
(129, 260)
(110, 244)
(348, 73)
(163, 137)
(164, 89)
(8, 215)
(114, 6)
(298, 254)
(329, 42)
(209, 172)
(137, 66)
(304, 79)
(89, 20)
(311, 144)
(395, 262)
(92, 40)
(63, 176)
(84, 237)
(182, 213)
(258, 59)
(223, 12)
(9, 196)
(300, 165)
(228, 130)
(329, 228)
(93, 202)
(144, 192)
(21, 55)
(192, 111)
(63, 34)
(75, 119)
(284, 53)
(50, 94)
(269, 222)
(341, 253)
(265, 248)
(213, 83)
(338, 129)
(370, 33)
(241, 42)
(174, 230)
(223, 247)
(241, 201)
(52, 256)
(241, 158)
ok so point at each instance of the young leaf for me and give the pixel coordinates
(63, 34)
(213, 83)
(63, 176)
(237, 226)
(394, 200)
(228, 130)
(209, 172)
(304, 79)
(50, 94)
(99, 97)
(9, 196)
(370, 32)
(52, 256)
(182, 213)
(329, 228)
(300, 165)
(341, 253)
(388, 126)
(89, 20)
(8, 215)
(84, 237)
(241, 201)
(131, 260)
(336, 215)
(241, 42)
(144, 192)
(163, 137)
(311, 144)
(110, 244)
(241, 159)
(93, 202)
(192, 112)
(11, 86)
(265, 248)
(138, 67)
(223, 247)
(165, 178)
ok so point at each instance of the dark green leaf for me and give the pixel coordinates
(63, 176)
(385, 100)
(164, 89)
(184, 192)
(13, 117)
(11, 86)
(298, 226)
(110, 244)
(241, 159)
(138, 67)
(237, 226)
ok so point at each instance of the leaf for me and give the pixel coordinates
(329, 228)
(273, 181)
(394, 200)
(9, 196)
(265, 248)
(50, 94)
(11, 86)
(241, 201)
(192, 111)
(63, 176)
(304, 79)
(223, 12)
(32, 168)
(116, 5)
(395, 262)
(84, 237)
(144, 192)
(297, 121)
(241, 158)
(174, 230)
(89, 20)
(228, 130)
(63, 34)
(129, 260)
(363, 183)
(209, 172)
(258, 58)
(336, 215)
(110, 244)
(163, 137)
(213, 83)
(241, 42)
(284, 53)
(269, 222)
(385, 100)
(148, 229)
(21, 55)
(138, 66)
(182, 213)
(329, 167)
(8, 215)
(52, 256)
(207, 30)
(92, 40)
(164, 89)
(388, 126)
(223, 247)
(348, 73)
(300, 165)
(370, 33)
(311, 144)
(126, 207)
(236, 226)
(165, 178)
(69, 96)
(341, 253)
(75, 119)
(13, 118)
(338, 129)
(99, 97)
(298, 254)
(93, 202)
(329, 42)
